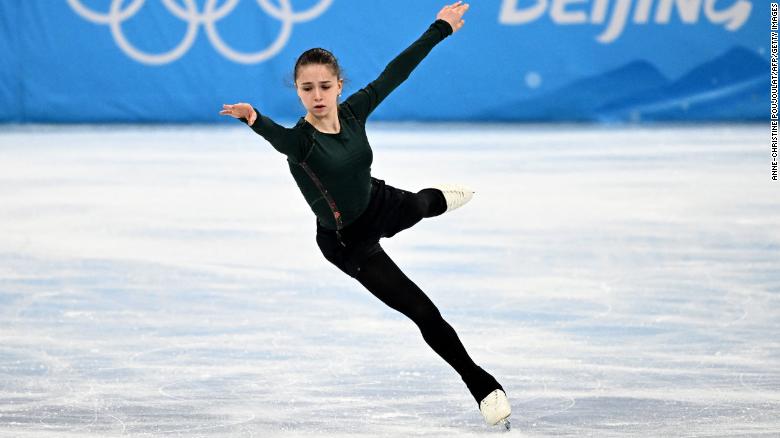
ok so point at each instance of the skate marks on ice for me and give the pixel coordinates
(94, 370)
(622, 284)
(644, 255)
(166, 356)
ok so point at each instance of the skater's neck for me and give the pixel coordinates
(328, 124)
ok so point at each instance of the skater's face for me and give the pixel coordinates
(319, 89)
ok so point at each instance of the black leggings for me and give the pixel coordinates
(392, 210)
(381, 277)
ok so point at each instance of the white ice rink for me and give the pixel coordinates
(161, 281)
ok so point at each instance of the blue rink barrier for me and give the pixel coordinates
(514, 60)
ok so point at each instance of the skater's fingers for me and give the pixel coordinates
(239, 110)
(448, 7)
(452, 14)
(230, 113)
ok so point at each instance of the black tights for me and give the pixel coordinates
(382, 277)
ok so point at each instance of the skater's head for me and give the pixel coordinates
(318, 81)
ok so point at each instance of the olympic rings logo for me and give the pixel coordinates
(118, 14)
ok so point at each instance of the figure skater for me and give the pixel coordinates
(330, 159)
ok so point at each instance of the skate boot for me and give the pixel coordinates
(455, 194)
(495, 408)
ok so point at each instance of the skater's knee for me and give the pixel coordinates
(424, 314)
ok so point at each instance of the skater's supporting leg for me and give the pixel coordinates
(382, 277)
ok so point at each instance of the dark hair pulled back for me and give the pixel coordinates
(320, 56)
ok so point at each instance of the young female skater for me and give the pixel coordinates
(329, 156)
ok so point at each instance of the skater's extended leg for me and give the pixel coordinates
(432, 202)
(415, 207)
(382, 277)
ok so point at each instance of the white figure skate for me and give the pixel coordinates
(455, 194)
(495, 408)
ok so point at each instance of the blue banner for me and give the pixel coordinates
(514, 60)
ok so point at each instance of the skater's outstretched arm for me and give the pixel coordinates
(287, 141)
(448, 21)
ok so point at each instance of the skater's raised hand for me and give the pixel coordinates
(453, 14)
(240, 110)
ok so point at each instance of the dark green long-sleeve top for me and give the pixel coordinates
(342, 162)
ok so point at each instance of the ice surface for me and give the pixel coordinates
(160, 281)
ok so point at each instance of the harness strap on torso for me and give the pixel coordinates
(325, 194)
